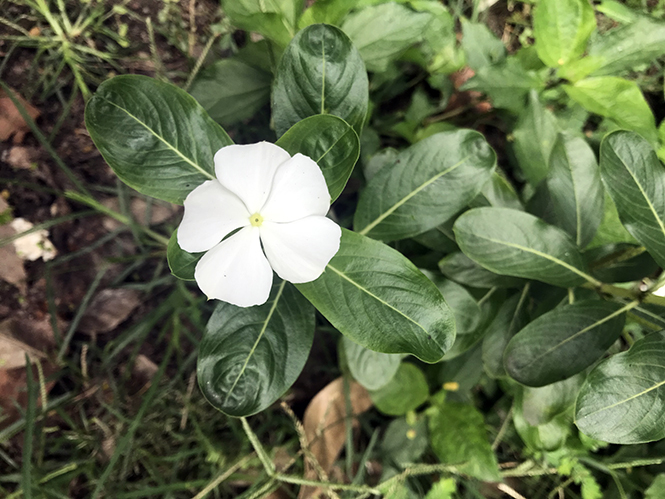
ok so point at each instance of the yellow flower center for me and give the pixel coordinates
(256, 220)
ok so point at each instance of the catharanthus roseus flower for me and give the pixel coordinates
(279, 204)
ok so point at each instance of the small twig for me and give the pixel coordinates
(502, 430)
(199, 61)
(223, 476)
(188, 396)
(506, 489)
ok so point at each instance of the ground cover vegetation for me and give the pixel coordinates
(491, 325)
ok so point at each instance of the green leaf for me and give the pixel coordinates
(181, 263)
(575, 188)
(329, 141)
(460, 268)
(564, 342)
(549, 436)
(481, 46)
(461, 374)
(541, 405)
(231, 90)
(248, 357)
(426, 185)
(535, 136)
(498, 192)
(618, 99)
(154, 136)
(458, 437)
(320, 72)
(635, 179)
(511, 318)
(621, 401)
(445, 488)
(657, 488)
(620, 263)
(378, 298)
(404, 441)
(629, 47)
(275, 19)
(561, 29)
(405, 392)
(506, 83)
(383, 32)
(369, 368)
(511, 242)
(438, 49)
(326, 11)
(610, 230)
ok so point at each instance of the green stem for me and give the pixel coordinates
(325, 485)
(260, 452)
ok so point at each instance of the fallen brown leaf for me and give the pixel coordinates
(11, 265)
(11, 121)
(158, 212)
(325, 427)
(108, 309)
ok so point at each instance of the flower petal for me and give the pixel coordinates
(299, 251)
(299, 190)
(248, 171)
(211, 212)
(236, 270)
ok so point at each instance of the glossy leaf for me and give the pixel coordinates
(181, 263)
(563, 342)
(628, 47)
(426, 185)
(575, 189)
(611, 229)
(508, 321)
(231, 90)
(618, 99)
(620, 263)
(514, 243)
(535, 136)
(635, 179)
(320, 72)
(248, 357)
(498, 192)
(561, 29)
(460, 268)
(154, 136)
(378, 298)
(405, 392)
(369, 368)
(383, 32)
(623, 399)
(458, 437)
(329, 141)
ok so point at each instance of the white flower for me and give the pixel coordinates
(279, 203)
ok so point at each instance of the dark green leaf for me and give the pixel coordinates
(618, 99)
(231, 90)
(404, 443)
(511, 318)
(378, 298)
(458, 437)
(514, 243)
(620, 263)
(329, 141)
(575, 188)
(369, 368)
(181, 263)
(154, 136)
(320, 72)
(535, 136)
(460, 268)
(248, 357)
(405, 392)
(438, 239)
(427, 184)
(563, 342)
(635, 179)
(622, 399)
(498, 192)
(610, 230)
(561, 29)
(657, 488)
(383, 32)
